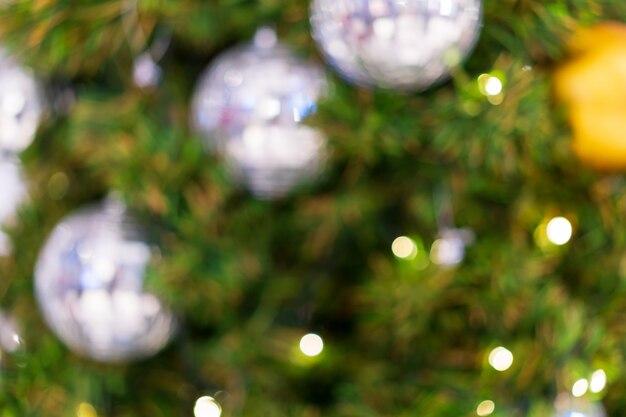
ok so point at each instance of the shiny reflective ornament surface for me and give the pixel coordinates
(449, 249)
(567, 406)
(89, 285)
(21, 105)
(12, 195)
(249, 106)
(399, 44)
(10, 339)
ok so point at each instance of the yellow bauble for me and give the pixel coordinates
(592, 84)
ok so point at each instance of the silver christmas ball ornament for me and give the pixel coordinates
(398, 44)
(21, 105)
(12, 194)
(89, 282)
(249, 107)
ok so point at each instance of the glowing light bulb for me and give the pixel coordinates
(501, 359)
(486, 408)
(207, 407)
(559, 231)
(493, 86)
(311, 345)
(598, 381)
(580, 388)
(404, 248)
(490, 85)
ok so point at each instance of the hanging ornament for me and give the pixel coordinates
(21, 105)
(398, 44)
(147, 52)
(249, 106)
(568, 406)
(13, 194)
(89, 286)
(147, 73)
(591, 85)
(448, 250)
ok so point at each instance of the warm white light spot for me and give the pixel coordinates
(598, 381)
(559, 230)
(486, 408)
(501, 359)
(404, 247)
(493, 86)
(311, 344)
(207, 407)
(86, 410)
(580, 388)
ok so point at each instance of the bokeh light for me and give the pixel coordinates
(580, 388)
(501, 359)
(207, 407)
(486, 408)
(559, 231)
(493, 86)
(86, 410)
(311, 344)
(447, 252)
(598, 381)
(404, 248)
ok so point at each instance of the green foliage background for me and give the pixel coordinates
(248, 278)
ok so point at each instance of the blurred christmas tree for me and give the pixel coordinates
(525, 302)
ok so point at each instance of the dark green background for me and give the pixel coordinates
(248, 278)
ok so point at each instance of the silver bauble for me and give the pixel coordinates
(12, 195)
(249, 106)
(21, 105)
(399, 44)
(89, 285)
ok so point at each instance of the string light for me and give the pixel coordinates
(580, 388)
(501, 359)
(486, 408)
(404, 248)
(491, 87)
(207, 407)
(598, 381)
(559, 231)
(311, 344)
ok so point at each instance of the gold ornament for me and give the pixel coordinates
(592, 84)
